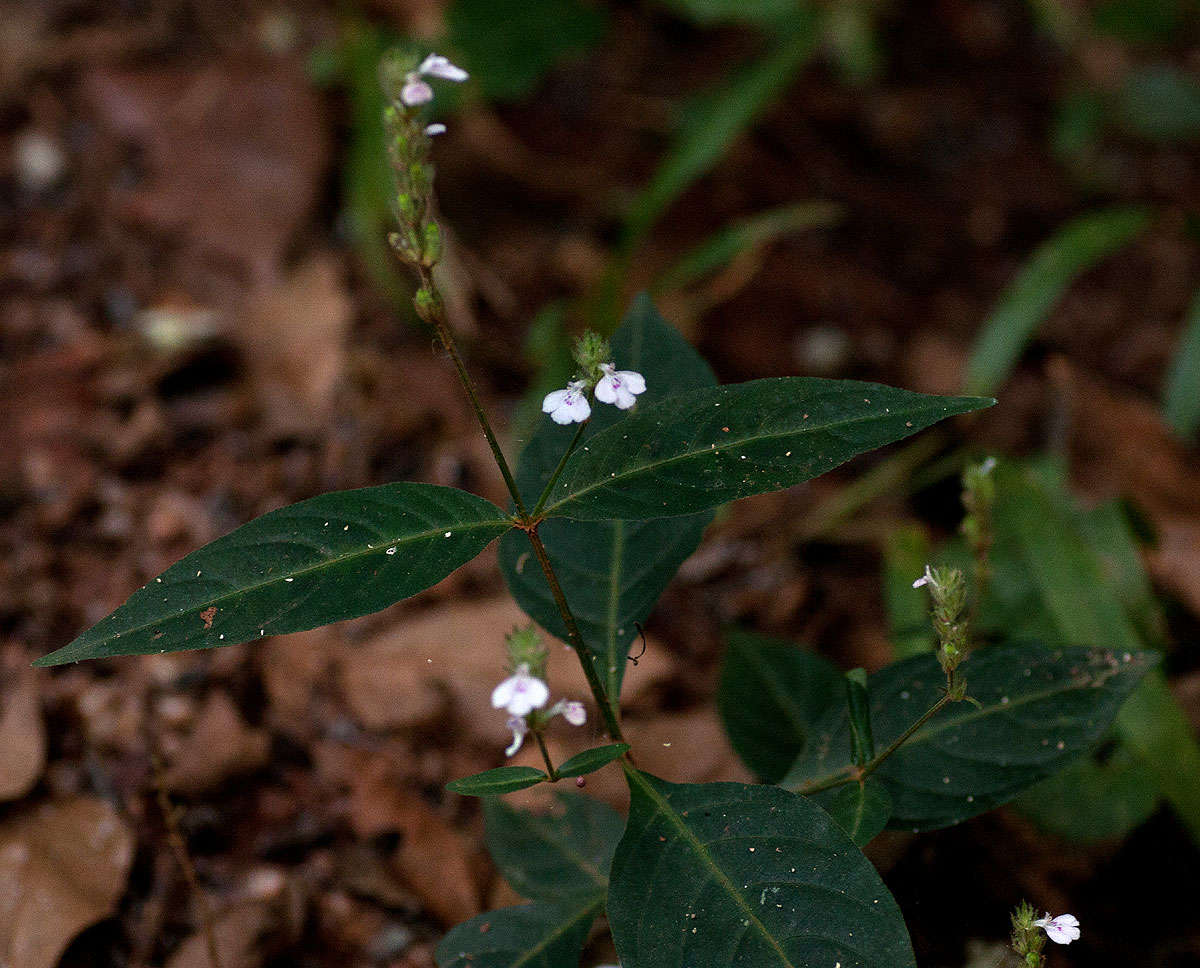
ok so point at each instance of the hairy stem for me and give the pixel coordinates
(576, 639)
(435, 316)
(537, 734)
(856, 774)
(541, 501)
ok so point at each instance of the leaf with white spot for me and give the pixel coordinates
(330, 558)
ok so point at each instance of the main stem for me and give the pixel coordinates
(435, 316)
(438, 321)
(576, 639)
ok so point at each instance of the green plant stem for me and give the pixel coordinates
(537, 734)
(541, 501)
(856, 774)
(438, 321)
(576, 639)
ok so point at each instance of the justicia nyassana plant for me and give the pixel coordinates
(697, 875)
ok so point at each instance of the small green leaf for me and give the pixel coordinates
(540, 935)
(1181, 399)
(589, 761)
(551, 856)
(330, 558)
(1038, 710)
(862, 810)
(491, 783)
(612, 572)
(772, 693)
(700, 449)
(713, 121)
(1040, 284)
(718, 874)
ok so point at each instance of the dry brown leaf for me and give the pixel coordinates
(401, 677)
(292, 667)
(62, 868)
(294, 337)
(220, 746)
(22, 736)
(434, 860)
(234, 154)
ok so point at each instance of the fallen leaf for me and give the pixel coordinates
(220, 746)
(294, 337)
(62, 868)
(22, 736)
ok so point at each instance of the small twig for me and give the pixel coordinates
(179, 849)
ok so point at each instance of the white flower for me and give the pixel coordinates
(432, 129)
(520, 693)
(519, 728)
(569, 405)
(435, 65)
(570, 710)
(415, 91)
(619, 386)
(988, 466)
(925, 579)
(1061, 930)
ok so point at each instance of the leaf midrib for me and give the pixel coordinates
(535, 825)
(585, 910)
(299, 573)
(927, 732)
(728, 443)
(663, 807)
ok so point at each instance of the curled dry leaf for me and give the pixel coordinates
(62, 868)
(22, 737)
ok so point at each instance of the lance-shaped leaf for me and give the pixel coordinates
(612, 572)
(700, 449)
(330, 558)
(772, 693)
(539, 935)
(1039, 709)
(720, 874)
(555, 855)
(492, 783)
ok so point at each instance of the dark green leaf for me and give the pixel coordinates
(720, 874)
(612, 572)
(1039, 709)
(541, 935)
(1074, 578)
(700, 449)
(772, 693)
(1092, 799)
(551, 856)
(1181, 399)
(510, 45)
(710, 12)
(491, 783)
(589, 761)
(1040, 284)
(862, 810)
(330, 558)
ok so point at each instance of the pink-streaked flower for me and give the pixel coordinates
(435, 65)
(519, 728)
(1061, 930)
(433, 129)
(415, 92)
(925, 579)
(619, 387)
(569, 405)
(571, 710)
(520, 693)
